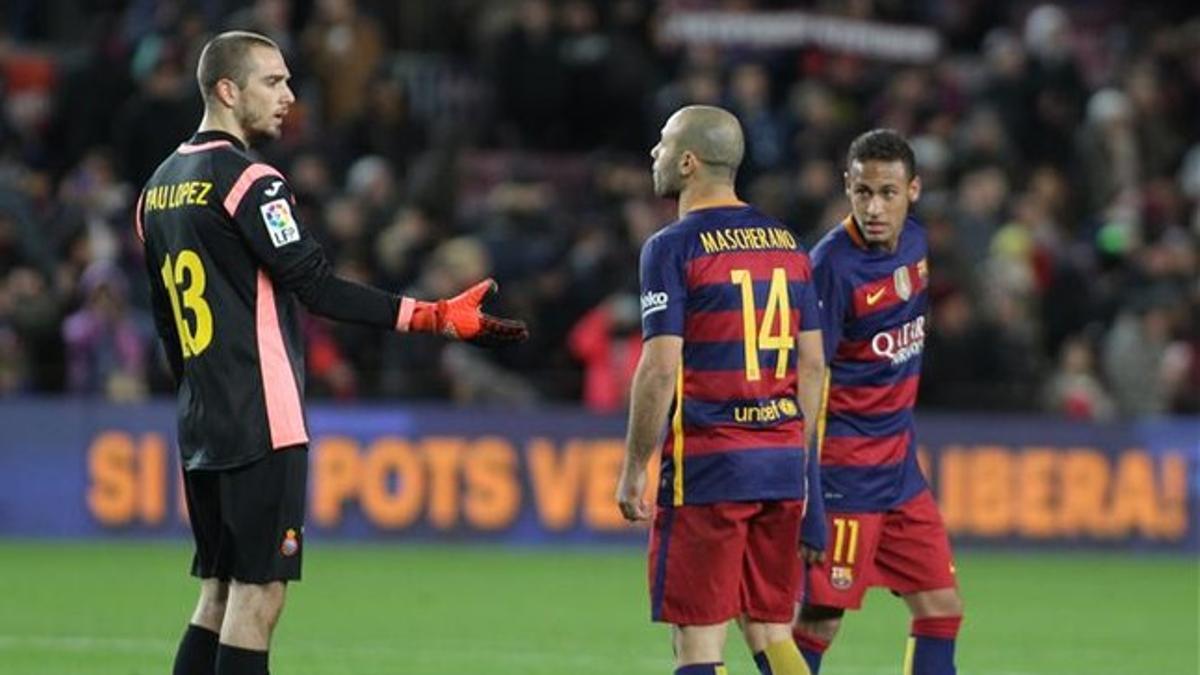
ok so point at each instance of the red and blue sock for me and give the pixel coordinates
(931, 646)
(812, 648)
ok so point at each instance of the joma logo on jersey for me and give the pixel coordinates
(766, 412)
(654, 301)
(901, 344)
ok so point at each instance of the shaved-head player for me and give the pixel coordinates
(732, 367)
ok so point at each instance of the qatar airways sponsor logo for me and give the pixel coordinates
(901, 343)
(653, 301)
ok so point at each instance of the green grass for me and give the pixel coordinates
(118, 608)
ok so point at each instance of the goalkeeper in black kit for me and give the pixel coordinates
(228, 261)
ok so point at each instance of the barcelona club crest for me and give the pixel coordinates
(841, 578)
(290, 545)
(902, 282)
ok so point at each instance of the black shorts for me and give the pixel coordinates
(248, 522)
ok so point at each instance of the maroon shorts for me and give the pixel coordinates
(710, 563)
(905, 550)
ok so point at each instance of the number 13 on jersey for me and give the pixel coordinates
(778, 312)
(185, 282)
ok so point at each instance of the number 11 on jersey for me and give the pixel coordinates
(845, 540)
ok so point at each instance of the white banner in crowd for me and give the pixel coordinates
(799, 29)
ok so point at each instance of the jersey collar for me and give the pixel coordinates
(717, 204)
(202, 137)
(855, 234)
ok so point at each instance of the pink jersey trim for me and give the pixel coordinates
(188, 148)
(404, 318)
(137, 218)
(252, 173)
(284, 416)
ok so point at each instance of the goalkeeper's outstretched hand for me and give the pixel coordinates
(462, 318)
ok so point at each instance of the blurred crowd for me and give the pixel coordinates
(435, 143)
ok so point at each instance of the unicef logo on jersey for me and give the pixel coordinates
(653, 301)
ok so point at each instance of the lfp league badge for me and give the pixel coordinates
(281, 225)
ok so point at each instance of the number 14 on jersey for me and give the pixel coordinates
(775, 332)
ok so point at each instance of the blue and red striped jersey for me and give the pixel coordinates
(873, 307)
(737, 287)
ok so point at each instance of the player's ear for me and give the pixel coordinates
(914, 189)
(688, 163)
(846, 182)
(226, 91)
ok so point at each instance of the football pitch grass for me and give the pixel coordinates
(118, 608)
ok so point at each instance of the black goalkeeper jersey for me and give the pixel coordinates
(228, 261)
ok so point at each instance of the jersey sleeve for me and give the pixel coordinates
(831, 300)
(808, 303)
(260, 202)
(664, 288)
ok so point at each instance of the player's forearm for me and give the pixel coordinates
(650, 399)
(344, 300)
(810, 373)
(328, 295)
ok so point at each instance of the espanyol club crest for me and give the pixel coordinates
(290, 545)
(902, 282)
(841, 578)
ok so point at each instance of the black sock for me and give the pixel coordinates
(237, 661)
(197, 654)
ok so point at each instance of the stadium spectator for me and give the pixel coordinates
(421, 367)
(531, 80)
(1138, 356)
(154, 120)
(608, 342)
(108, 343)
(1074, 390)
(767, 131)
(343, 47)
